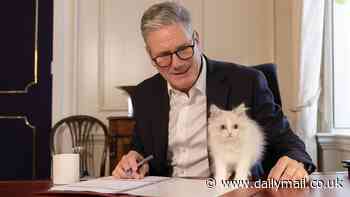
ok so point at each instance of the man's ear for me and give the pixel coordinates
(198, 41)
(240, 110)
(148, 50)
(196, 36)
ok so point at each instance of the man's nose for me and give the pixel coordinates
(176, 61)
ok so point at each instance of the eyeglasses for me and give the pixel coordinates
(183, 53)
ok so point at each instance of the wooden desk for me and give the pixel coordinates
(22, 188)
(29, 189)
(36, 189)
(121, 129)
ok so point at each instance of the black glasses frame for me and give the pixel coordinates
(177, 54)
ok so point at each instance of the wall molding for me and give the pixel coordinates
(334, 141)
(76, 57)
(102, 105)
(101, 63)
(332, 149)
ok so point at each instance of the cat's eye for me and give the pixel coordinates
(235, 126)
(223, 127)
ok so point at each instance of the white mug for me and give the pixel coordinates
(65, 168)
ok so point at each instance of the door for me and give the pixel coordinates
(25, 89)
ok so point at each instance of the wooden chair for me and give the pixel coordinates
(269, 70)
(83, 131)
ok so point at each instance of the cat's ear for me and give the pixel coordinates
(214, 110)
(240, 110)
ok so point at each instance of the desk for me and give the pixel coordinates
(33, 189)
(28, 189)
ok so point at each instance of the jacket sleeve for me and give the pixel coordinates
(279, 137)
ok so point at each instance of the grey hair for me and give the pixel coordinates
(163, 14)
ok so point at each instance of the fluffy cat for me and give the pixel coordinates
(235, 142)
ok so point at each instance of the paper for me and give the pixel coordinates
(109, 185)
(179, 187)
(149, 186)
(176, 187)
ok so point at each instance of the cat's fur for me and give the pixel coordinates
(235, 142)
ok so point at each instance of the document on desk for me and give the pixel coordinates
(149, 186)
(109, 185)
(175, 187)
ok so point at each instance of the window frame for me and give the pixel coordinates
(330, 17)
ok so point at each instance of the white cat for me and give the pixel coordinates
(235, 141)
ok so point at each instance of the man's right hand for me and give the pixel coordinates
(129, 161)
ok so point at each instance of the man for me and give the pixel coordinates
(171, 113)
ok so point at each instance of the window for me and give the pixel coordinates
(341, 64)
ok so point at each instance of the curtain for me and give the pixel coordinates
(326, 97)
(308, 71)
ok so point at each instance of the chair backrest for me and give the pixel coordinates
(270, 72)
(83, 131)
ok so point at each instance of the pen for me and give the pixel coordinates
(129, 171)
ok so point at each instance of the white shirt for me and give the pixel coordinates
(187, 145)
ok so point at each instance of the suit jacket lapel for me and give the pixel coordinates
(217, 88)
(160, 124)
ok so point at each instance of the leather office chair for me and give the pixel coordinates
(270, 72)
(82, 134)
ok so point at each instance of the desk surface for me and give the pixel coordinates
(30, 188)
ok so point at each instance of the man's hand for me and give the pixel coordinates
(129, 161)
(288, 169)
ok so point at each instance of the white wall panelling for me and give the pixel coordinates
(123, 60)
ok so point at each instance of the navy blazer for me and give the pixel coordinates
(228, 85)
